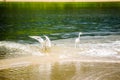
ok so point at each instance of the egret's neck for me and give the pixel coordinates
(79, 36)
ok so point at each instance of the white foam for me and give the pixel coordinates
(101, 52)
(22, 48)
(99, 49)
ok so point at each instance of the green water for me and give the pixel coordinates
(57, 20)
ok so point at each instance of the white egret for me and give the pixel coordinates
(77, 40)
(45, 44)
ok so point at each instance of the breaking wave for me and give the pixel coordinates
(95, 47)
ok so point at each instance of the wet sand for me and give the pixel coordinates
(62, 70)
(34, 60)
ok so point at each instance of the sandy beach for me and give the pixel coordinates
(35, 60)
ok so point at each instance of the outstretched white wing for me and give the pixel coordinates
(39, 39)
(47, 41)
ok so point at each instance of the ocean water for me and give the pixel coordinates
(58, 20)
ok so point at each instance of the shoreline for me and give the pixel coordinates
(50, 59)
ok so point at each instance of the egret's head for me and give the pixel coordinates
(80, 33)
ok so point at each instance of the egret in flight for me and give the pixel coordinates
(77, 40)
(39, 39)
(45, 44)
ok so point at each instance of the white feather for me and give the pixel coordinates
(47, 41)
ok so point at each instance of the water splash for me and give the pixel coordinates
(107, 46)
